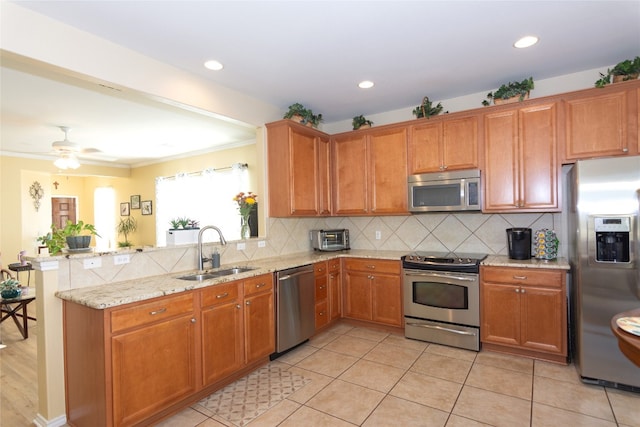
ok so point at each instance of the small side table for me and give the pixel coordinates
(17, 307)
(18, 267)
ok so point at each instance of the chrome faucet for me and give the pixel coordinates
(202, 259)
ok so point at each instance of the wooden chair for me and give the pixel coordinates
(5, 274)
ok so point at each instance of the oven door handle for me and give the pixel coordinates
(444, 276)
(455, 331)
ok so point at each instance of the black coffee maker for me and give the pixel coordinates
(519, 243)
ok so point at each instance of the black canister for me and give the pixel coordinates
(519, 243)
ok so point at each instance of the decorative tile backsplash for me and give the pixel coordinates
(442, 232)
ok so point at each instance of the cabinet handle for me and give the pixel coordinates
(624, 150)
(193, 320)
(523, 290)
(370, 277)
(321, 287)
(238, 306)
(162, 310)
(259, 285)
(248, 302)
(320, 269)
(520, 277)
(321, 313)
(518, 290)
(444, 167)
(371, 266)
(226, 294)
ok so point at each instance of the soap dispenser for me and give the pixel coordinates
(215, 258)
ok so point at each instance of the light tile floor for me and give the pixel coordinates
(366, 377)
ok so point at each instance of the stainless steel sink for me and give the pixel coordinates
(213, 274)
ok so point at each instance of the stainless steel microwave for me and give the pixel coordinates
(445, 191)
(330, 240)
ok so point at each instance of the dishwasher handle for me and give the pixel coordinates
(289, 276)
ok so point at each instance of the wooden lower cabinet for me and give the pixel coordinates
(334, 284)
(524, 311)
(372, 290)
(134, 364)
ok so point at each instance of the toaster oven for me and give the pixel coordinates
(330, 240)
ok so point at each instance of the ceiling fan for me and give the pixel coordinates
(68, 151)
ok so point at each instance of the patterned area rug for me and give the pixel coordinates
(249, 397)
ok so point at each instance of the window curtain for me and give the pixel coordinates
(206, 197)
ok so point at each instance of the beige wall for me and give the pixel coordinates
(21, 224)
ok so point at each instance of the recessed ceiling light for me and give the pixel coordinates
(366, 84)
(526, 42)
(213, 65)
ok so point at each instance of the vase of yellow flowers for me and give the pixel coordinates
(246, 204)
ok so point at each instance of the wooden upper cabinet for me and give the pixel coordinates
(448, 144)
(370, 172)
(350, 175)
(596, 126)
(298, 167)
(521, 166)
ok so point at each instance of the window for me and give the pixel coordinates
(104, 199)
(206, 197)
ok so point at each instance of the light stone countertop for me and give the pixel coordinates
(505, 261)
(119, 293)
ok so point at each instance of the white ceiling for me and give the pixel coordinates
(313, 52)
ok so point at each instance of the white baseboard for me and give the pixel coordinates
(41, 421)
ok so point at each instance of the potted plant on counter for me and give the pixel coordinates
(297, 112)
(510, 92)
(75, 237)
(10, 288)
(183, 230)
(125, 227)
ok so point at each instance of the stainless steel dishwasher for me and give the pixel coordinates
(295, 310)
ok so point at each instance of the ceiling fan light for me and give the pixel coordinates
(67, 161)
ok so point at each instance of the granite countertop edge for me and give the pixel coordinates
(120, 293)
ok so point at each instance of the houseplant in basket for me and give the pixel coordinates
(629, 69)
(297, 112)
(510, 92)
(426, 109)
(360, 122)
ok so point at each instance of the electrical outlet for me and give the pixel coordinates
(262, 244)
(378, 235)
(92, 263)
(241, 246)
(121, 259)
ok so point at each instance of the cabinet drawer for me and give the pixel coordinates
(258, 284)
(220, 294)
(322, 317)
(372, 265)
(524, 276)
(334, 265)
(320, 269)
(150, 312)
(321, 289)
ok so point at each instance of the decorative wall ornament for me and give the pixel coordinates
(36, 192)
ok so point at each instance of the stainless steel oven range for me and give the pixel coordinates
(442, 298)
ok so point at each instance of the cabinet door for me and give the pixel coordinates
(222, 343)
(357, 295)
(500, 314)
(386, 299)
(350, 175)
(388, 171)
(335, 295)
(153, 367)
(323, 181)
(596, 126)
(544, 319)
(538, 162)
(425, 148)
(303, 163)
(259, 325)
(501, 161)
(460, 143)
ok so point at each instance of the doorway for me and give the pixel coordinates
(63, 209)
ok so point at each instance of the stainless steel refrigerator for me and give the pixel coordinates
(604, 249)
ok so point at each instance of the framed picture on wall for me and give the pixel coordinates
(135, 202)
(146, 207)
(124, 209)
